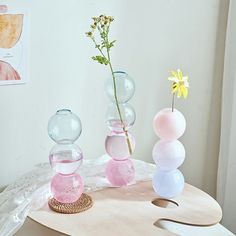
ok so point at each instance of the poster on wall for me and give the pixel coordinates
(14, 47)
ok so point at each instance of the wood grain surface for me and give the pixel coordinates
(133, 210)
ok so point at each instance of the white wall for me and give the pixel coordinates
(153, 37)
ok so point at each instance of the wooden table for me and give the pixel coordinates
(129, 211)
(32, 228)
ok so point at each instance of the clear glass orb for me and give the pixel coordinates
(65, 158)
(168, 184)
(113, 118)
(64, 127)
(120, 173)
(67, 188)
(117, 147)
(125, 87)
(169, 125)
(168, 155)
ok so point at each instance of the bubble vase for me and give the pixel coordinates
(168, 153)
(120, 116)
(65, 158)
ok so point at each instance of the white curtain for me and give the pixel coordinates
(226, 189)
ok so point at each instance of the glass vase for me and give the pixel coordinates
(120, 117)
(65, 157)
(168, 153)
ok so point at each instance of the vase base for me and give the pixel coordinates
(82, 204)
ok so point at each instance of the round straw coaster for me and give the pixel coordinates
(82, 204)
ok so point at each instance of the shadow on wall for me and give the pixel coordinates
(214, 123)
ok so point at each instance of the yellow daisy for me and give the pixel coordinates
(180, 83)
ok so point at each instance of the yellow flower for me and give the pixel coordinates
(180, 83)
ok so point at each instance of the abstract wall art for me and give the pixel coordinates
(14, 46)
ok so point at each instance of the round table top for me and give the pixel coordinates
(135, 210)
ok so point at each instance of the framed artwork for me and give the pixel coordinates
(14, 47)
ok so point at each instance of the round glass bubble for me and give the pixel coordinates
(169, 125)
(113, 118)
(168, 155)
(65, 158)
(64, 126)
(120, 173)
(125, 87)
(67, 188)
(168, 184)
(117, 147)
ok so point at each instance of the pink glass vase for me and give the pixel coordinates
(168, 153)
(65, 157)
(120, 169)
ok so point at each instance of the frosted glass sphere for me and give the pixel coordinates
(168, 155)
(168, 184)
(169, 125)
(64, 126)
(67, 188)
(117, 147)
(65, 158)
(120, 173)
(125, 87)
(113, 118)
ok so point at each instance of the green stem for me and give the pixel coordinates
(115, 90)
(117, 105)
(98, 47)
(173, 102)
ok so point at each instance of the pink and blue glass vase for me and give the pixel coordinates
(65, 157)
(168, 153)
(120, 169)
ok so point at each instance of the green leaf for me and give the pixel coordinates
(111, 44)
(103, 35)
(101, 60)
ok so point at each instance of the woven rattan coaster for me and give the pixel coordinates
(82, 204)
